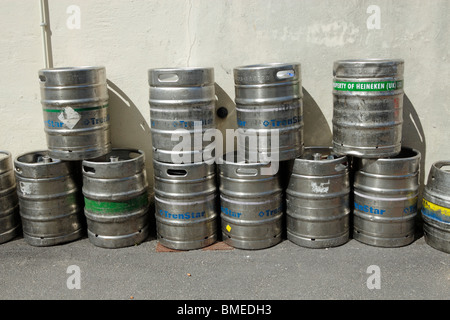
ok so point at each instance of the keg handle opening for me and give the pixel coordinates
(168, 77)
(441, 165)
(285, 74)
(88, 169)
(42, 78)
(176, 172)
(249, 172)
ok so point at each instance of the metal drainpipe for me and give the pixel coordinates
(43, 6)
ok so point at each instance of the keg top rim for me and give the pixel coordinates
(104, 158)
(188, 76)
(73, 68)
(21, 159)
(369, 61)
(337, 157)
(371, 67)
(261, 66)
(441, 163)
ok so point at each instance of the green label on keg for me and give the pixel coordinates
(108, 207)
(79, 109)
(368, 86)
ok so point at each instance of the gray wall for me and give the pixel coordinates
(129, 37)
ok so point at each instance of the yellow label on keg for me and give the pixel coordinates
(434, 207)
(228, 228)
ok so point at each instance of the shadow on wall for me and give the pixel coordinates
(316, 131)
(414, 137)
(130, 130)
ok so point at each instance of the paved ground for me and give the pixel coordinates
(285, 271)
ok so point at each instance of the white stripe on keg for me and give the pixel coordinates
(384, 199)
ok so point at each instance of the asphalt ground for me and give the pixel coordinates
(354, 271)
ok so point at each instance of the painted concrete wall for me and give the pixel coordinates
(130, 36)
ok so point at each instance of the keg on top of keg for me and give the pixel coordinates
(116, 196)
(185, 204)
(268, 99)
(385, 199)
(251, 204)
(436, 207)
(317, 198)
(50, 200)
(9, 203)
(75, 111)
(367, 107)
(182, 101)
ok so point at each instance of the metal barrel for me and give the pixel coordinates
(269, 97)
(9, 202)
(116, 197)
(75, 110)
(185, 204)
(182, 105)
(436, 207)
(251, 204)
(50, 200)
(317, 199)
(385, 199)
(367, 107)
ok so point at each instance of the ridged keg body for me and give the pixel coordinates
(50, 200)
(182, 106)
(9, 202)
(385, 199)
(116, 197)
(367, 107)
(268, 98)
(185, 204)
(317, 198)
(251, 203)
(75, 110)
(436, 207)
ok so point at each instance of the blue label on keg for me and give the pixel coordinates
(181, 216)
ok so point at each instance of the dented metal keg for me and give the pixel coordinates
(317, 199)
(185, 204)
(50, 201)
(182, 107)
(367, 107)
(251, 204)
(385, 199)
(9, 202)
(268, 101)
(116, 197)
(75, 110)
(436, 207)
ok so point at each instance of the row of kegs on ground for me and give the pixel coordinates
(366, 182)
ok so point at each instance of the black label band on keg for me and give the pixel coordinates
(368, 86)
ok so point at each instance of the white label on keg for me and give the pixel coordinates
(26, 187)
(320, 188)
(69, 117)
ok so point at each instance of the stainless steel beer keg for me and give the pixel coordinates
(185, 204)
(75, 109)
(251, 204)
(116, 197)
(9, 203)
(385, 199)
(317, 199)
(182, 107)
(50, 200)
(436, 207)
(367, 107)
(269, 98)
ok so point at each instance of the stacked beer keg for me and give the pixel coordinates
(367, 126)
(182, 104)
(269, 109)
(50, 188)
